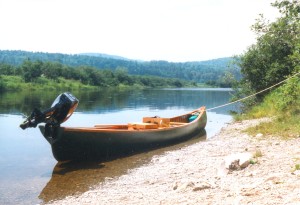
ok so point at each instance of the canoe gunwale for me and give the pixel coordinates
(84, 142)
(124, 127)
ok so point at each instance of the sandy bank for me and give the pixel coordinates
(196, 174)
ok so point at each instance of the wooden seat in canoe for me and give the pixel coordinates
(161, 122)
(142, 126)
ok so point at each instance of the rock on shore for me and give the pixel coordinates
(230, 168)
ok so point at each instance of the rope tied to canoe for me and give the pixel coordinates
(239, 100)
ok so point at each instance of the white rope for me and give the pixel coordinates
(253, 94)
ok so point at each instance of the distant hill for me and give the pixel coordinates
(103, 55)
(202, 71)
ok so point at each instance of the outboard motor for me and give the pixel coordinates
(62, 108)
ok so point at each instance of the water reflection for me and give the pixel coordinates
(115, 100)
(70, 178)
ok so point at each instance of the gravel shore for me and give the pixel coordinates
(198, 174)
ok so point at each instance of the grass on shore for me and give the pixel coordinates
(282, 104)
(16, 83)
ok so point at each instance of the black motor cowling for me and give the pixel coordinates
(62, 108)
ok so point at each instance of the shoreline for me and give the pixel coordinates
(196, 174)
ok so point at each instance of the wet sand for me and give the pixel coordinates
(195, 174)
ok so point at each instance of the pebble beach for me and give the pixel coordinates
(210, 172)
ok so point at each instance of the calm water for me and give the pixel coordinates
(30, 175)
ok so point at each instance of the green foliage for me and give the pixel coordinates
(16, 83)
(284, 126)
(11, 83)
(284, 104)
(283, 100)
(6, 69)
(200, 72)
(42, 74)
(287, 95)
(31, 70)
(2, 86)
(275, 56)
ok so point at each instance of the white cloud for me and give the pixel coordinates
(177, 30)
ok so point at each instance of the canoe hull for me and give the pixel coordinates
(103, 144)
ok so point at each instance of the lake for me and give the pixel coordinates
(30, 175)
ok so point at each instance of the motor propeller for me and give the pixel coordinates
(62, 108)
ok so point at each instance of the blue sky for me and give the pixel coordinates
(172, 30)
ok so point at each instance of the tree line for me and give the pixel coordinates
(210, 72)
(33, 71)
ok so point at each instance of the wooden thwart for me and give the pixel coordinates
(142, 126)
(154, 123)
(161, 122)
(150, 123)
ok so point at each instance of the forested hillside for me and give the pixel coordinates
(211, 71)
